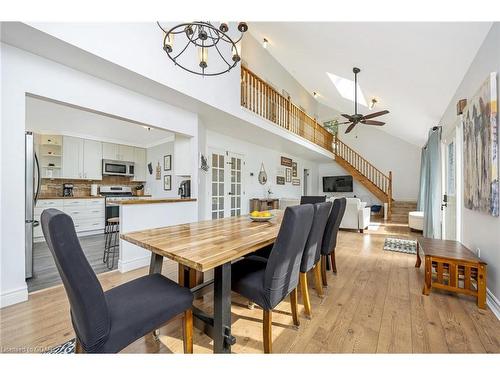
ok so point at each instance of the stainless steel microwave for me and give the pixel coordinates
(117, 168)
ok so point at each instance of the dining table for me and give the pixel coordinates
(209, 245)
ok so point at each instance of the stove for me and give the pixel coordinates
(113, 194)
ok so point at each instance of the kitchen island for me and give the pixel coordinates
(149, 213)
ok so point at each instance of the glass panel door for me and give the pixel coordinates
(235, 165)
(218, 163)
(449, 198)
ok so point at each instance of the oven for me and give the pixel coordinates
(117, 168)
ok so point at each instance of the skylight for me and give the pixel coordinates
(345, 87)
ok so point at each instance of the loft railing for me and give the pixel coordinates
(382, 181)
(259, 97)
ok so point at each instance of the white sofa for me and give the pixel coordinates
(356, 216)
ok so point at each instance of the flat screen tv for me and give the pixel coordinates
(337, 184)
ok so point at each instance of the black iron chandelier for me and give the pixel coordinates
(198, 38)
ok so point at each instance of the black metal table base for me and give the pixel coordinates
(218, 326)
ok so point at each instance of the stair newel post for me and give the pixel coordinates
(288, 113)
(389, 194)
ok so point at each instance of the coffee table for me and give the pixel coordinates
(451, 266)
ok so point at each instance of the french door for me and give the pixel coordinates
(449, 182)
(226, 176)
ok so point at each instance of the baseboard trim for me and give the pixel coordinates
(133, 264)
(14, 296)
(493, 303)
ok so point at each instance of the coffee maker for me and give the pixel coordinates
(67, 190)
(185, 189)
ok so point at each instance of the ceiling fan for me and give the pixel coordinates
(359, 118)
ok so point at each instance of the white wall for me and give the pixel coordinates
(480, 230)
(155, 155)
(22, 73)
(254, 155)
(262, 63)
(388, 153)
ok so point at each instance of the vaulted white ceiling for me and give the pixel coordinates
(413, 69)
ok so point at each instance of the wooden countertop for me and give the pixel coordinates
(151, 200)
(205, 245)
(59, 197)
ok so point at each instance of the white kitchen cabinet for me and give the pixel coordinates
(126, 153)
(139, 164)
(72, 158)
(113, 151)
(182, 156)
(92, 160)
(110, 151)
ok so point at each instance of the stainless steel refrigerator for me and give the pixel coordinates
(32, 184)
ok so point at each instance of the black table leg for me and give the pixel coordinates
(156, 263)
(222, 309)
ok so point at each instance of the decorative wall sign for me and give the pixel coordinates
(262, 175)
(280, 180)
(158, 171)
(294, 169)
(150, 168)
(296, 181)
(287, 162)
(204, 163)
(167, 163)
(480, 152)
(167, 182)
(288, 174)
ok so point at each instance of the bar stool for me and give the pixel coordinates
(111, 243)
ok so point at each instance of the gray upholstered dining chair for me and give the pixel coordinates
(312, 254)
(330, 236)
(107, 322)
(312, 199)
(267, 283)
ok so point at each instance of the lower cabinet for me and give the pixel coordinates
(88, 214)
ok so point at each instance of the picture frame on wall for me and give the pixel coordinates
(287, 162)
(280, 180)
(294, 169)
(167, 163)
(167, 182)
(288, 174)
(296, 182)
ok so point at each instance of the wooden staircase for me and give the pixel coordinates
(364, 172)
(400, 211)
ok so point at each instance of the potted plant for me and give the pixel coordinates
(139, 190)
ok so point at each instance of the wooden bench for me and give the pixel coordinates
(451, 266)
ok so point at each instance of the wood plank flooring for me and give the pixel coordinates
(373, 305)
(44, 269)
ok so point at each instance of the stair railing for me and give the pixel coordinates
(382, 181)
(261, 98)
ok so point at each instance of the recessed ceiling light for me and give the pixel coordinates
(147, 128)
(265, 43)
(345, 87)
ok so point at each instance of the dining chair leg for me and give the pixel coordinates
(317, 279)
(295, 307)
(188, 331)
(305, 294)
(78, 347)
(268, 336)
(334, 263)
(323, 270)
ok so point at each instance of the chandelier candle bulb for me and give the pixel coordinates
(236, 52)
(168, 42)
(203, 57)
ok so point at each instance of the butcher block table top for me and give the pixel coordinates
(205, 245)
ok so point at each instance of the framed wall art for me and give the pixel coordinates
(288, 174)
(167, 182)
(287, 162)
(167, 163)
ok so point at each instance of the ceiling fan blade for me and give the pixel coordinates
(343, 123)
(349, 117)
(372, 122)
(350, 127)
(376, 114)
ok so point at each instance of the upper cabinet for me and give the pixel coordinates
(82, 158)
(113, 151)
(49, 151)
(139, 164)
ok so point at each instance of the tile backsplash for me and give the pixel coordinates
(54, 187)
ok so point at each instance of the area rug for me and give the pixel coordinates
(400, 245)
(67, 348)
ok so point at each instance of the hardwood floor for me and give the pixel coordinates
(373, 305)
(44, 269)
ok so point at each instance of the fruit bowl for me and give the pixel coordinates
(260, 217)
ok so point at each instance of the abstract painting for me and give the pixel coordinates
(481, 149)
